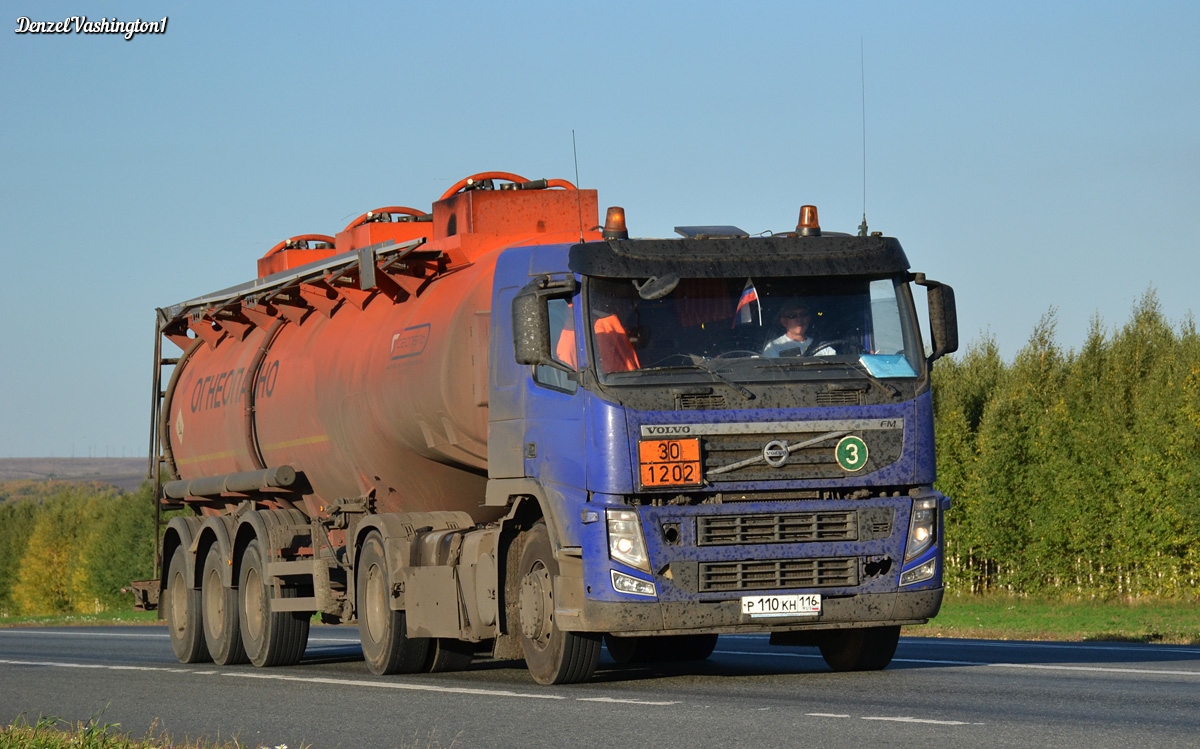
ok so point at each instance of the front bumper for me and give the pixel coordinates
(863, 610)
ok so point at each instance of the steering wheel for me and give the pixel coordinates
(737, 353)
(838, 346)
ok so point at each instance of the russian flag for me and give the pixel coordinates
(747, 306)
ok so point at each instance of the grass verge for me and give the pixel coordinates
(55, 733)
(1016, 618)
(81, 620)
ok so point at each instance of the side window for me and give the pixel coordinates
(563, 346)
(886, 334)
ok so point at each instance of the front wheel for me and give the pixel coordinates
(551, 655)
(271, 638)
(183, 613)
(869, 649)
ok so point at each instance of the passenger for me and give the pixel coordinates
(612, 328)
(796, 319)
(613, 347)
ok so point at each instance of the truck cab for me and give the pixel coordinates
(695, 481)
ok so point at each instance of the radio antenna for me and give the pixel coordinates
(578, 197)
(862, 67)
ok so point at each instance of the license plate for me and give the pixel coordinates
(758, 607)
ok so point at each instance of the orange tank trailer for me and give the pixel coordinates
(380, 391)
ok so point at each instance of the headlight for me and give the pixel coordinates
(625, 542)
(922, 528)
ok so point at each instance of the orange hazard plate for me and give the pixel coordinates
(670, 462)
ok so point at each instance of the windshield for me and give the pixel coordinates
(754, 328)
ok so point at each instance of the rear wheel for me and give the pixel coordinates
(552, 656)
(183, 613)
(446, 654)
(386, 646)
(271, 638)
(869, 649)
(222, 632)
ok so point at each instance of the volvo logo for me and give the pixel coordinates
(776, 453)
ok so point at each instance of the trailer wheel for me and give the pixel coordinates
(869, 649)
(183, 615)
(386, 646)
(551, 655)
(271, 638)
(222, 631)
(667, 649)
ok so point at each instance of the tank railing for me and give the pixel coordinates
(276, 282)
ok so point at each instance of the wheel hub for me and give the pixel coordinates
(537, 605)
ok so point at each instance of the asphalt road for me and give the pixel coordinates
(936, 693)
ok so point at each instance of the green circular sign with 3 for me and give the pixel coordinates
(851, 453)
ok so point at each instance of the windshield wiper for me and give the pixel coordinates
(704, 364)
(855, 364)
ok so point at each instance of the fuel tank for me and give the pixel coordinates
(369, 378)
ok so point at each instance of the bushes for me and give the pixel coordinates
(1075, 473)
(73, 551)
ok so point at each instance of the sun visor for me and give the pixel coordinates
(740, 256)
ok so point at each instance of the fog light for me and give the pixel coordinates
(919, 573)
(623, 583)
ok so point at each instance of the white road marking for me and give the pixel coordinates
(624, 702)
(1101, 669)
(341, 682)
(827, 715)
(147, 635)
(71, 633)
(1031, 666)
(398, 685)
(1149, 648)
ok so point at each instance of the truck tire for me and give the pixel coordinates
(386, 646)
(222, 630)
(667, 649)
(447, 654)
(551, 655)
(271, 638)
(182, 612)
(869, 649)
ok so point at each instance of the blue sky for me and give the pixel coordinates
(1035, 156)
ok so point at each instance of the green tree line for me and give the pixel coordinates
(1075, 473)
(71, 548)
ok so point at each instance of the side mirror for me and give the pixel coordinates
(531, 318)
(943, 317)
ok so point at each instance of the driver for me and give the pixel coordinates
(795, 317)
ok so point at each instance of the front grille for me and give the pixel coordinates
(815, 461)
(699, 402)
(780, 528)
(839, 398)
(778, 574)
